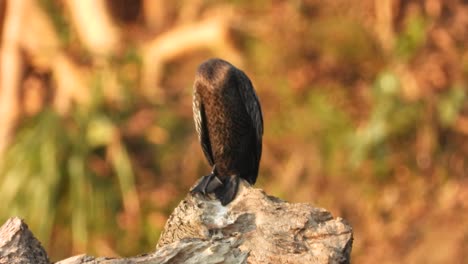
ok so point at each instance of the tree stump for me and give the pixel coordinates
(261, 229)
(253, 228)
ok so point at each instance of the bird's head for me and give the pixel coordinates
(213, 73)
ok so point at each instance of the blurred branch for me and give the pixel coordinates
(212, 33)
(38, 37)
(71, 84)
(156, 13)
(384, 22)
(11, 68)
(94, 25)
(189, 10)
(41, 43)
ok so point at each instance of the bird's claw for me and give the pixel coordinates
(208, 184)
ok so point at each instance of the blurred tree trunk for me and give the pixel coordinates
(11, 69)
(94, 25)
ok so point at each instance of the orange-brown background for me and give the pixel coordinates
(364, 105)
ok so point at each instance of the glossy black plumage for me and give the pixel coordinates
(229, 123)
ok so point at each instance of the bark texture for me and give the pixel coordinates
(266, 228)
(253, 228)
(18, 244)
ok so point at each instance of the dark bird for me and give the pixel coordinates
(229, 123)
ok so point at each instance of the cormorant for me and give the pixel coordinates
(229, 123)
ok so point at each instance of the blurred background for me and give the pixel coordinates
(364, 105)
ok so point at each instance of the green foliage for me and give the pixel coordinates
(47, 174)
(412, 38)
(31, 173)
(450, 104)
(390, 117)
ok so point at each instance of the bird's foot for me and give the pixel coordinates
(224, 190)
(208, 184)
(228, 191)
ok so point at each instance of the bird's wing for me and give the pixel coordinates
(252, 105)
(201, 127)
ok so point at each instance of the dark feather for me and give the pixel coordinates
(254, 110)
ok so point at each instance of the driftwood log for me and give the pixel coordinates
(254, 228)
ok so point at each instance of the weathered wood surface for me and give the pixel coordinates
(254, 228)
(18, 244)
(267, 229)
